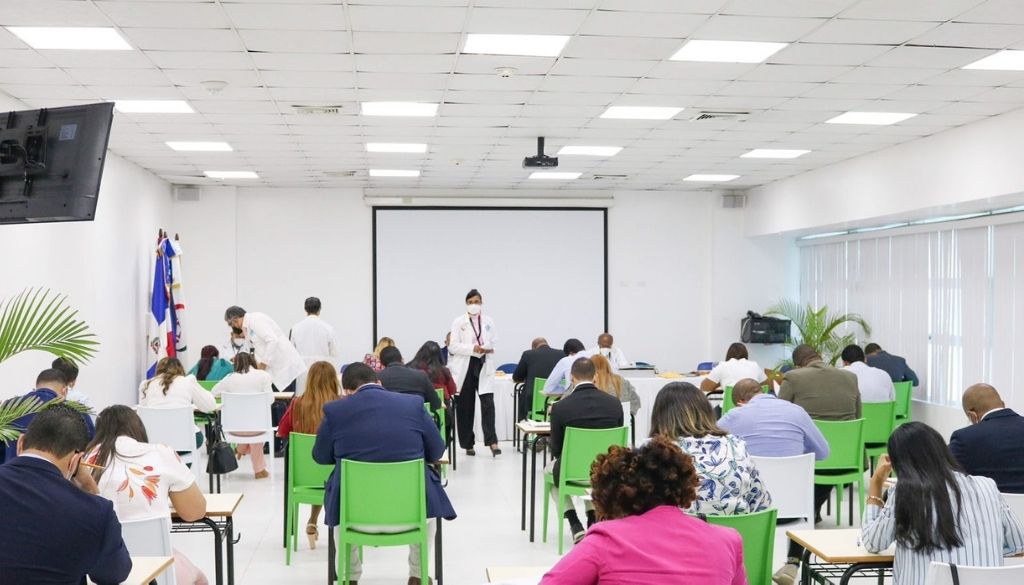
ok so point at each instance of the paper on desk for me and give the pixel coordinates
(670, 375)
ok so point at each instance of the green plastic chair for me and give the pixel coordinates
(845, 462)
(539, 410)
(904, 392)
(758, 533)
(382, 495)
(579, 450)
(208, 384)
(727, 402)
(306, 479)
(879, 422)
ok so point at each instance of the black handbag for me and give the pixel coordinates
(222, 456)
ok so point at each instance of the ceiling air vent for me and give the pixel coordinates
(709, 115)
(315, 110)
(609, 177)
(340, 174)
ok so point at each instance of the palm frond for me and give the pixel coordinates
(38, 319)
(818, 328)
(13, 409)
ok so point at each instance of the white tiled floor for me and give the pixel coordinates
(484, 491)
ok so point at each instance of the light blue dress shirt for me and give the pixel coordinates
(775, 428)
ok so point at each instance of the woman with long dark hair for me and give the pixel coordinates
(935, 512)
(143, 479)
(211, 366)
(729, 482)
(304, 415)
(428, 359)
(643, 536)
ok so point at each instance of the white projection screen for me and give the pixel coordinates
(541, 271)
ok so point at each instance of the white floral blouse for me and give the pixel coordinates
(729, 482)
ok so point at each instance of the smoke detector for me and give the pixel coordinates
(505, 72)
(213, 86)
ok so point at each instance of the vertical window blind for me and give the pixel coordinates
(951, 301)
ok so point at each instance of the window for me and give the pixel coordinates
(951, 301)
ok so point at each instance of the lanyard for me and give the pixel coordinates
(477, 331)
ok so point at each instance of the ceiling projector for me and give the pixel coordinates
(541, 161)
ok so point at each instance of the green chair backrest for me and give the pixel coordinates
(302, 470)
(208, 384)
(539, 410)
(879, 421)
(758, 533)
(383, 493)
(582, 446)
(727, 401)
(904, 392)
(845, 444)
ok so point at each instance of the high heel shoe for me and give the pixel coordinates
(495, 451)
(312, 533)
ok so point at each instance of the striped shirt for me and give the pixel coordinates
(987, 526)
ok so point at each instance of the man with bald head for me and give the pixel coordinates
(825, 392)
(536, 362)
(992, 445)
(770, 426)
(606, 347)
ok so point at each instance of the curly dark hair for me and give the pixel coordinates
(628, 482)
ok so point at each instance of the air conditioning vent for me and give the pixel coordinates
(708, 115)
(340, 174)
(316, 110)
(609, 177)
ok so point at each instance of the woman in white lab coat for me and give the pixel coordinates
(274, 352)
(471, 361)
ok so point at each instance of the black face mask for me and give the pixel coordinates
(236, 330)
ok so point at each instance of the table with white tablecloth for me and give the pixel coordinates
(647, 385)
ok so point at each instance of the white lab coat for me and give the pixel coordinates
(614, 355)
(460, 350)
(313, 337)
(284, 364)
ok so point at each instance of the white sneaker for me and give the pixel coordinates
(786, 575)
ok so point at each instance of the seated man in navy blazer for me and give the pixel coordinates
(56, 530)
(396, 377)
(991, 446)
(51, 384)
(371, 424)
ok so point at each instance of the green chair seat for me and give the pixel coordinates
(539, 409)
(845, 462)
(758, 533)
(879, 422)
(306, 480)
(579, 450)
(904, 394)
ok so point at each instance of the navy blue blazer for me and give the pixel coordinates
(9, 451)
(54, 533)
(992, 448)
(377, 426)
(893, 365)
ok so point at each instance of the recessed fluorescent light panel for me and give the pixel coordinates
(231, 174)
(153, 107)
(870, 118)
(711, 178)
(1002, 61)
(726, 51)
(589, 150)
(71, 38)
(405, 147)
(404, 109)
(525, 45)
(400, 173)
(200, 146)
(640, 113)
(554, 175)
(774, 153)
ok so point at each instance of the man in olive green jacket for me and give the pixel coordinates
(824, 391)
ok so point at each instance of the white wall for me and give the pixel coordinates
(681, 275)
(105, 268)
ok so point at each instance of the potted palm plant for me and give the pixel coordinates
(39, 320)
(818, 328)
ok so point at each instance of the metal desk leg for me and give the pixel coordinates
(515, 413)
(332, 561)
(805, 568)
(229, 528)
(218, 553)
(858, 567)
(438, 556)
(522, 516)
(533, 492)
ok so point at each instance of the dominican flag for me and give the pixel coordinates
(165, 335)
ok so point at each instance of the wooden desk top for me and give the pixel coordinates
(445, 459)
(533, 428)
(284, 395)
(498, 574)
(145, 569)
(218, 505)
(840, 546)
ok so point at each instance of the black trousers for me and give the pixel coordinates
(821, 495)
(466, 404)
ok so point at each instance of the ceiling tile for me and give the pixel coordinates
(293, 41)
(818, 8)
(599, 47)
(827, 54)
(807, 73)
(995, 12)
(961, 34)
(489, 64)
(651, 24)
(415, 19)
(929, 57)
(290, 16)
(211, 59)
(928, 10)
(749, 28)
(170, 39)
(887, 75)
(406, 43)
(303, 61)
(124, 77)
(165, 14)
(868, 32)
(50, 13)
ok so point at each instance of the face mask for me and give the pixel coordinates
(236, 330)
(606, 351)
(473, 309)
